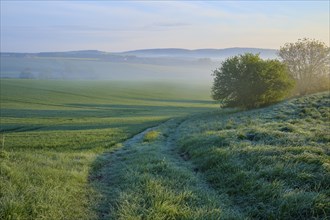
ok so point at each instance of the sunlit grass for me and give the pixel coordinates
(151, 136)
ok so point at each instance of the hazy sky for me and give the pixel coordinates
(34, 26)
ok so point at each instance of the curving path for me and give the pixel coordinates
(152, 180)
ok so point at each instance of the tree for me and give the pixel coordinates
(308, 62)
(248, 81)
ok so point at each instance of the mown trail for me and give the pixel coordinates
(151, 180)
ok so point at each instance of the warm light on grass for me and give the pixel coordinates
(151, 136)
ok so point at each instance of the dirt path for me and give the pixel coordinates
(142, 178)
(138, 137)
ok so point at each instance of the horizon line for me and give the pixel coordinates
(134, 50)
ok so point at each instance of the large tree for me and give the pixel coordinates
(248, 81)
(308, 62)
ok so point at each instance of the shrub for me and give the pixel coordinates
(248, 81)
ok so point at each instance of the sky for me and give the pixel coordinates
(115, 26)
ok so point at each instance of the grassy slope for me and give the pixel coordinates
(273, 163)
(270, 163)
(53, 130)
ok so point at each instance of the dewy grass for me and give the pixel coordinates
(149, 180)
(273, 163)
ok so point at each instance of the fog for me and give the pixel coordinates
(143, 65)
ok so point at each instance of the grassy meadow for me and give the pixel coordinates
(53, 131)
(158, 150)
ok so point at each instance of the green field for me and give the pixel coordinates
(74, 150)
(52, 131)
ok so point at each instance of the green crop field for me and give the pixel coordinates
(80, 150)
(52, 131)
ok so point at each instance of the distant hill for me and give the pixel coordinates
(154, 53)
(201, 53)
(151, 64)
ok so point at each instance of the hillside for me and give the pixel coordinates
(270, 163)
(275, 158)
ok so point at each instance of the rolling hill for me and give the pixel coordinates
(149, 64)
(202, 53)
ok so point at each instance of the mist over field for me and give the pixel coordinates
(151, 109)
(150, 65)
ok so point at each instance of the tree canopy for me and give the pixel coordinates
(247, 81)
(308, 62)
